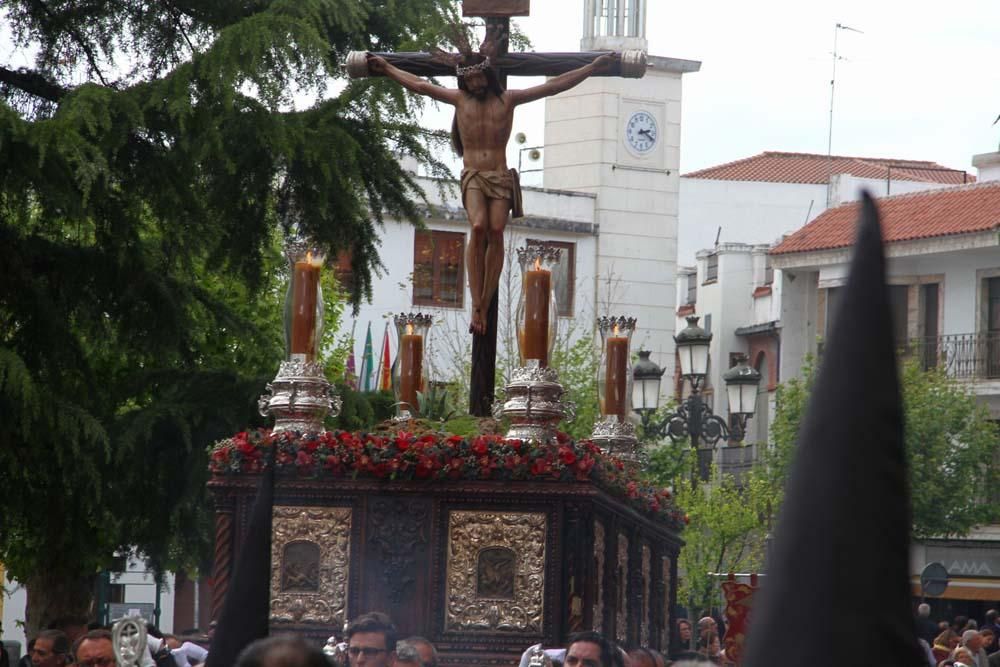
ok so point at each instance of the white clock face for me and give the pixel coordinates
(641, 132)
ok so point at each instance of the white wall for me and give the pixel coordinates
(637, 197)
(15, 598)
(449, 338)
(761, 212)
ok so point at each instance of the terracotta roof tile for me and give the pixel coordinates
(917, 215)
(777, 167)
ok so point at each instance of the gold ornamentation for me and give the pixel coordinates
(481, 572)
(647, 557)
(599, 573)
(305, 540)
(621, 627)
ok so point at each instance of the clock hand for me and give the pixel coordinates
(648, 133)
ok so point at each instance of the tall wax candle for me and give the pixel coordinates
(537, 292)
(616, 378)
(305, 292)
(411, 360)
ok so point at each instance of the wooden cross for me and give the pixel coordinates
(496, 13)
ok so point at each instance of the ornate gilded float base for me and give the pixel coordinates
(496, 572)
(310, 556)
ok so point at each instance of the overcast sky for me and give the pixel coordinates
(922, 82)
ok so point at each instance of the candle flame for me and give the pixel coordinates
(615, 331)
(538, 263)
(314, 260)
(409, 329)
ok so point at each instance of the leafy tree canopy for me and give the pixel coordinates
(145, 155)
(951, 443)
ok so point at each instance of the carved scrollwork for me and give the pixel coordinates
(599, 576)
(310, 552)
(397, 528)
(665, 589)
(647, 559)
(496, 571)
(621, 626)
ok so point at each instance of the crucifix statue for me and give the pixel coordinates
(484, 115)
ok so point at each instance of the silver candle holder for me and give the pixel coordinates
(614, 433)
(533, 399)
(300, 397)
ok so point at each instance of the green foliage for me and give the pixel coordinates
(577, 361)
(140, 278)
(362, 410)
(951, 443)
(464, 425)
(726, 533)
(670, 463)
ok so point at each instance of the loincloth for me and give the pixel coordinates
(505, 185)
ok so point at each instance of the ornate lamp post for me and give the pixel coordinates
(693, 418)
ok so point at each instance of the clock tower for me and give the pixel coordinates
(620, 139)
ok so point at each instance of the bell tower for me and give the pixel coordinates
(620, 140)
(614, 25)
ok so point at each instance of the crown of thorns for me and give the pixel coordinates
(478, 67)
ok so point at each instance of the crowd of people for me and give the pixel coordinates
(75, 642)
(371, 641)
(961, 642)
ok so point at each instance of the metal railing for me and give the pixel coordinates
(961, 356)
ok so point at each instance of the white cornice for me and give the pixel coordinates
(931, 246)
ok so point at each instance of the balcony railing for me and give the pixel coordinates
(961, 356)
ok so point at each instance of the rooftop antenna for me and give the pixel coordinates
(829, 134)
(833, 82)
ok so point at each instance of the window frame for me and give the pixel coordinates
(438, 235)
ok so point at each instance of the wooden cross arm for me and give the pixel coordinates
(632, 64)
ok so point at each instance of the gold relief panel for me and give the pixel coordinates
(496, 571)
(598, 622)
(310, 551)
(621, 626)
(647, 558)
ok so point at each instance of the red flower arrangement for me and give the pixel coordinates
(404, 456)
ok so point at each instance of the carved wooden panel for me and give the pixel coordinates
(665, 587)
(599, 546)
(647, 574)
(496, 571)
(397, 528)
(310, 555)
(621, 590)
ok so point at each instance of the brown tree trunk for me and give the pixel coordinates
(54, 597)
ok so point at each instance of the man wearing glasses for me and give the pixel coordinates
(94, 650)
(371, 640)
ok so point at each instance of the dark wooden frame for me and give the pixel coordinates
(436, 270)
(570, 509)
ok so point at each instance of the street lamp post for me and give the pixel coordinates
(694, 419)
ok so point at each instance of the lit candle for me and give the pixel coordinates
(305, 291)
(616, 378)
(411, 354)
(537, 292)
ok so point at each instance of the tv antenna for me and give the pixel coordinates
(833, 82)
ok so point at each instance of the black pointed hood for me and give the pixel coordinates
(837, 591)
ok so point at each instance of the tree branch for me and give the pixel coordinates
(33, 83)
(77, 37)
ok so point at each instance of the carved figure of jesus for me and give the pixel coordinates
(484, 115)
